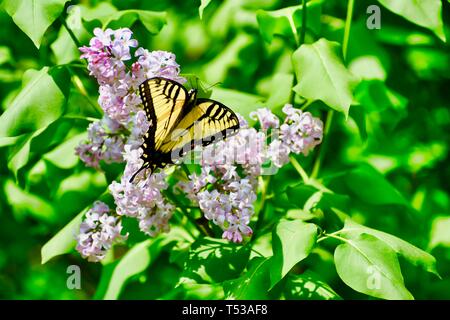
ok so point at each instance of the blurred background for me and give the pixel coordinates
(403, 130)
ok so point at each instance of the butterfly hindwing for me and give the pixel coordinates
(206, 122)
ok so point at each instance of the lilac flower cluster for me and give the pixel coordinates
(117, 137)
(142, 199)
(98, 232)
(107, 55)
(226, 187)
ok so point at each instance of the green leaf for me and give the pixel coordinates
(64, 241)
(368, 265)
(411, 253)
(41, 101)
(425, 13)
(136, 260)
(357, 113)
(212, 261)
(278, 98)
(203, 5)
(195, 291)
(31, 146)
(63, 156)
(292, 242)
(322, 75)
(20, 154)
(79, 189)
(103, 11)
(34, 16)
(24, 203)
(254, 284)
(5, 55)
(440, 234)
(307, 196)
(153, 21)
(64, 47)
(308, 286)
(284, 22)
(232, 56)
(240, 102)
(133, 262)
(374, 95)
(371, 187)
(299, 194)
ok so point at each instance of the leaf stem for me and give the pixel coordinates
(294, 31)
(348, 24)
(297, 166)
(320, 152)
(79, 85)
(332, 235)
(186, 170)
(304, 21)
(262, 209)
(71, 34)
(329, 118)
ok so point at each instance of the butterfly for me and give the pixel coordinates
(179, 121)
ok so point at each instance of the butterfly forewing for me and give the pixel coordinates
(163, 101)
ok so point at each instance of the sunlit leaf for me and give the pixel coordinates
(254, 284)
(411, 253)
(64, 155)
(238, 50)
(322, 75)
(34, 16)
(425, 13)
(203, 5)
(370, 186)
(308, 286)
(25, 203)
(211, 260)
(152, 21)
(133, 262)
(370, 266)
(287, 22)
(440, 232)
(240, 102)
(292, 242)
(62, 242)
(41, 101)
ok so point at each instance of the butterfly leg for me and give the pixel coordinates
(144, 166)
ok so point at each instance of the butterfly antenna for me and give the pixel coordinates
(215, 84)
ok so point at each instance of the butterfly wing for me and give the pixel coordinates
(206, 122)
(163, 101)
(177, 124)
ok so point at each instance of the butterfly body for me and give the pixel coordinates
(179, 121)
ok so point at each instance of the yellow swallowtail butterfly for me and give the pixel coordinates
(179, 121)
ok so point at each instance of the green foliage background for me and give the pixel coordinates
(383, 94)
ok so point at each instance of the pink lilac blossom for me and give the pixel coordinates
(266, 118)
(300, 132)
(226, 187)
(142, 199)
(118, 136)
(106, 55)
(104, 142)
(98, 232)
